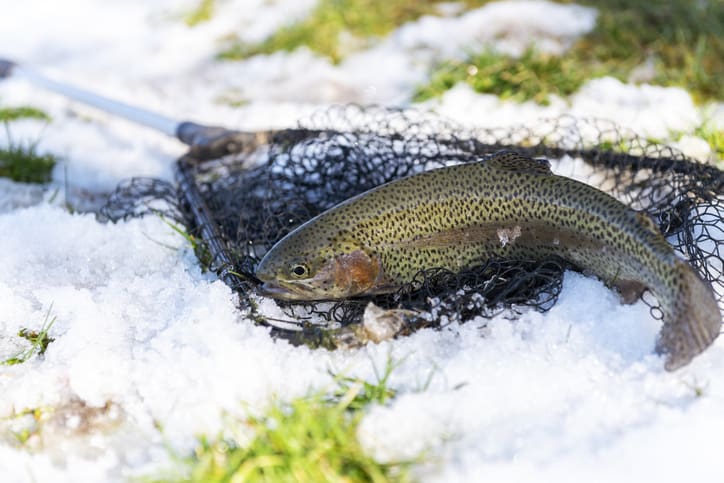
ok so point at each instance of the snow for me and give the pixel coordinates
(144, 338)
(650, 111)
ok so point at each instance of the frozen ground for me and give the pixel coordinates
(143, 336)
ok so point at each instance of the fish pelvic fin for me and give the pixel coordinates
(629, 290)
(692, 323)
(518, 163)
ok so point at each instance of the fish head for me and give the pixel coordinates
(332, 271)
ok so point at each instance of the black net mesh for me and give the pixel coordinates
(257, 195)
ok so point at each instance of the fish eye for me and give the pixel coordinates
(299, 270)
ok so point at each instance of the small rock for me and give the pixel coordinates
(379, 324)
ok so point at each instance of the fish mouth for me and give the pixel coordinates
(282, 291)
(272, 287)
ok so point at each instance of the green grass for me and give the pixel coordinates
(697, 388)
(682, 38)
(336, 27)
(202, 13)
(24, 432)
(366, 393)
(9, 114)
(310, 439)
(39, 341)
(200, 248)
(534, 76)
(715, 138)
(21, 161)
(180, 230)
(682, 41)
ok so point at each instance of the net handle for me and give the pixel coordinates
(188, 132)
(204, 141)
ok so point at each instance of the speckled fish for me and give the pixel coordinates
(504, 206)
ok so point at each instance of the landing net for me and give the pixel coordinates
(258, 192)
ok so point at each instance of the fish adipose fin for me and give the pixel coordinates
(517, 163)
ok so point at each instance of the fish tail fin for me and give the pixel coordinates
(692, 320)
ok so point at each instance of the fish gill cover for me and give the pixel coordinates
(259, 192)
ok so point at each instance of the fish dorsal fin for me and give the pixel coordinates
(514, 162)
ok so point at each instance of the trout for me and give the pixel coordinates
(503, 206)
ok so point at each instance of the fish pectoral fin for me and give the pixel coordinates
(630, 290)
(516, 162)
(383, 288)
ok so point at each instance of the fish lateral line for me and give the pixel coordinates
(527, 233)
